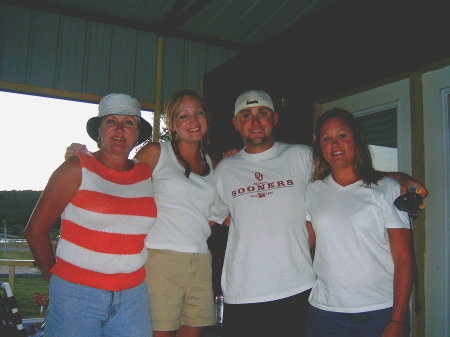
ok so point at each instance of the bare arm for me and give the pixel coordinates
(149, 154)
(406, 180)
(401, 249)
(226, 222)
(61, 187)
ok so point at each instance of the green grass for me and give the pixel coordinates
(18, 255)
(24, 287)
(24, 291)
(16, 251)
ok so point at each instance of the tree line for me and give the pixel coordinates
(16, 208)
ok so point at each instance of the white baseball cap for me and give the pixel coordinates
(253, 98)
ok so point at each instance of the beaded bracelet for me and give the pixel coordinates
(397, 322)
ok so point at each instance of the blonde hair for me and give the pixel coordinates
(171, 109)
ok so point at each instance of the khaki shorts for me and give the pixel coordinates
(180, 289)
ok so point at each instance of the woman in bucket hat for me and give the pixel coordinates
(179, 273)
(105, 201)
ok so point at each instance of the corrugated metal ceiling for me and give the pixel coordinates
(232, 24)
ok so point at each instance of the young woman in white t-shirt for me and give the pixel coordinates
(363, 248)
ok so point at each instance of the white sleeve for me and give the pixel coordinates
(219, 211)
(393, 217)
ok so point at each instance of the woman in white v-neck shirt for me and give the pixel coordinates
(363, 247)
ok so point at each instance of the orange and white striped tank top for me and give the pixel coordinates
(104, 226)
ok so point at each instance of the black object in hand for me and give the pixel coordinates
(410, 202)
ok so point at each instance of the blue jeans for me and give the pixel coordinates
(77, 310)
(323, 323)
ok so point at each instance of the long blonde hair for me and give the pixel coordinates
(171, 108)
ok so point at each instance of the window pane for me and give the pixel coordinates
(380, 128)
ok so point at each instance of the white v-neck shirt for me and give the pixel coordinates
(353, 260)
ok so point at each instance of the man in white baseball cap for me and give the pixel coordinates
(255, 119)
(267, 273)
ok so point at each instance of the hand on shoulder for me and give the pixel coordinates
(229, 153)
(407, 181)
(74, 149)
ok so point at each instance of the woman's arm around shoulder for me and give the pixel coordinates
(405, 181)
(149, 154)
(61, 187)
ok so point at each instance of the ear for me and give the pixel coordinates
(275, 118)
(235, 123)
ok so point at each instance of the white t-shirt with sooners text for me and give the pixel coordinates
(267, 256)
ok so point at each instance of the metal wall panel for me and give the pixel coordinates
(41, 62)
(185, 62)
(70, 54)
(97, 58)
(123, 60)
(145, 80)
(173, 66)
(234, 24)
(60, 52)
(15, 35)
(194, 64)
(217, 56)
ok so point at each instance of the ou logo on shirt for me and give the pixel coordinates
(259, 176)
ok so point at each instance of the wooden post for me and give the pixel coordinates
(158, 90)
(11, 273)
(418, 172)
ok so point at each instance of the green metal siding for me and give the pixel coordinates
(56, 51)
